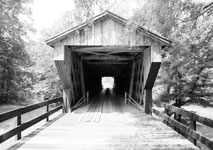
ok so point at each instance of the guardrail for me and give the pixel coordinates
(84, 98)
(23, 126)
(187, 130)
(128, 98)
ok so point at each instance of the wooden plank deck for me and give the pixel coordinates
(105, 124)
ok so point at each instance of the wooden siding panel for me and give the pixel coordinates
(58, 52)
(70, 40)
(139, 39)
(107, 32)
(147, 41)
(76, 38)
(156, 52)
(118, 33)
(132, 38)
(90, 36)
(112, 32)
(97, 35)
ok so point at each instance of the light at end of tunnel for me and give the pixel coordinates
(107, 82)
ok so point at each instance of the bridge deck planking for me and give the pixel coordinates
(107, 124)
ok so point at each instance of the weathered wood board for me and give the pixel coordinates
(106, 29)
(106, 124)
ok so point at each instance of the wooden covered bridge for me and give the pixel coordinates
(104, 47)
(94, 118)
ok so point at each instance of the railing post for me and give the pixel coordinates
(87, 97)
(18, 124)
(47, 112)
(193, 127)
(167, 112)
(125, 98)
(64, 103)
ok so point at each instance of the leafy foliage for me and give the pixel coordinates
(13, 57)
(46, 84)
(86, 8)
(187, 67)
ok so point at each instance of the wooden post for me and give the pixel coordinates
(47, 112)
(193, 126)
(148, 101)
(82, 78)
(66, 100)
(132, 80)
(125, 98)
(18, 124)
(141, 85)
(167, 112)
(87, 97)
(138, 80)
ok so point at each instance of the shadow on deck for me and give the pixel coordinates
(106, 123)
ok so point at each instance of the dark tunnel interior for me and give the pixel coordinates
(103, 61)
(94, 73)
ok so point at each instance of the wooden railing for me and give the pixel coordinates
(84, 98)
(128, 98)
(23, 126)
(188, 130)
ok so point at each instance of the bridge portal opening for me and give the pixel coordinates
(107, 82)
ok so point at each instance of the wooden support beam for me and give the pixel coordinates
(82, 78)
(96, 53)
(68, 63)
(152, 62)
(107, 63)
(138, 79)
(132, 79)
(150, 80)
(64, 77)
(107, 57)
(66, 101)
(148, 101)
(111, 49)
(73, 79)
(79, 78)
(141, 85)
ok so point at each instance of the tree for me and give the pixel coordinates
(86, 8)
(47, 84)
(189, 63)
(187, 66)
(13, 57)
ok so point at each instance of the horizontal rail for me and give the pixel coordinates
(23, 126)
(128, 98)
(20, 111)
(26, 125)
(84, 98)
(192, 116)
(184, 129)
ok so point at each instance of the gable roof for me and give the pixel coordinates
(148, 33)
